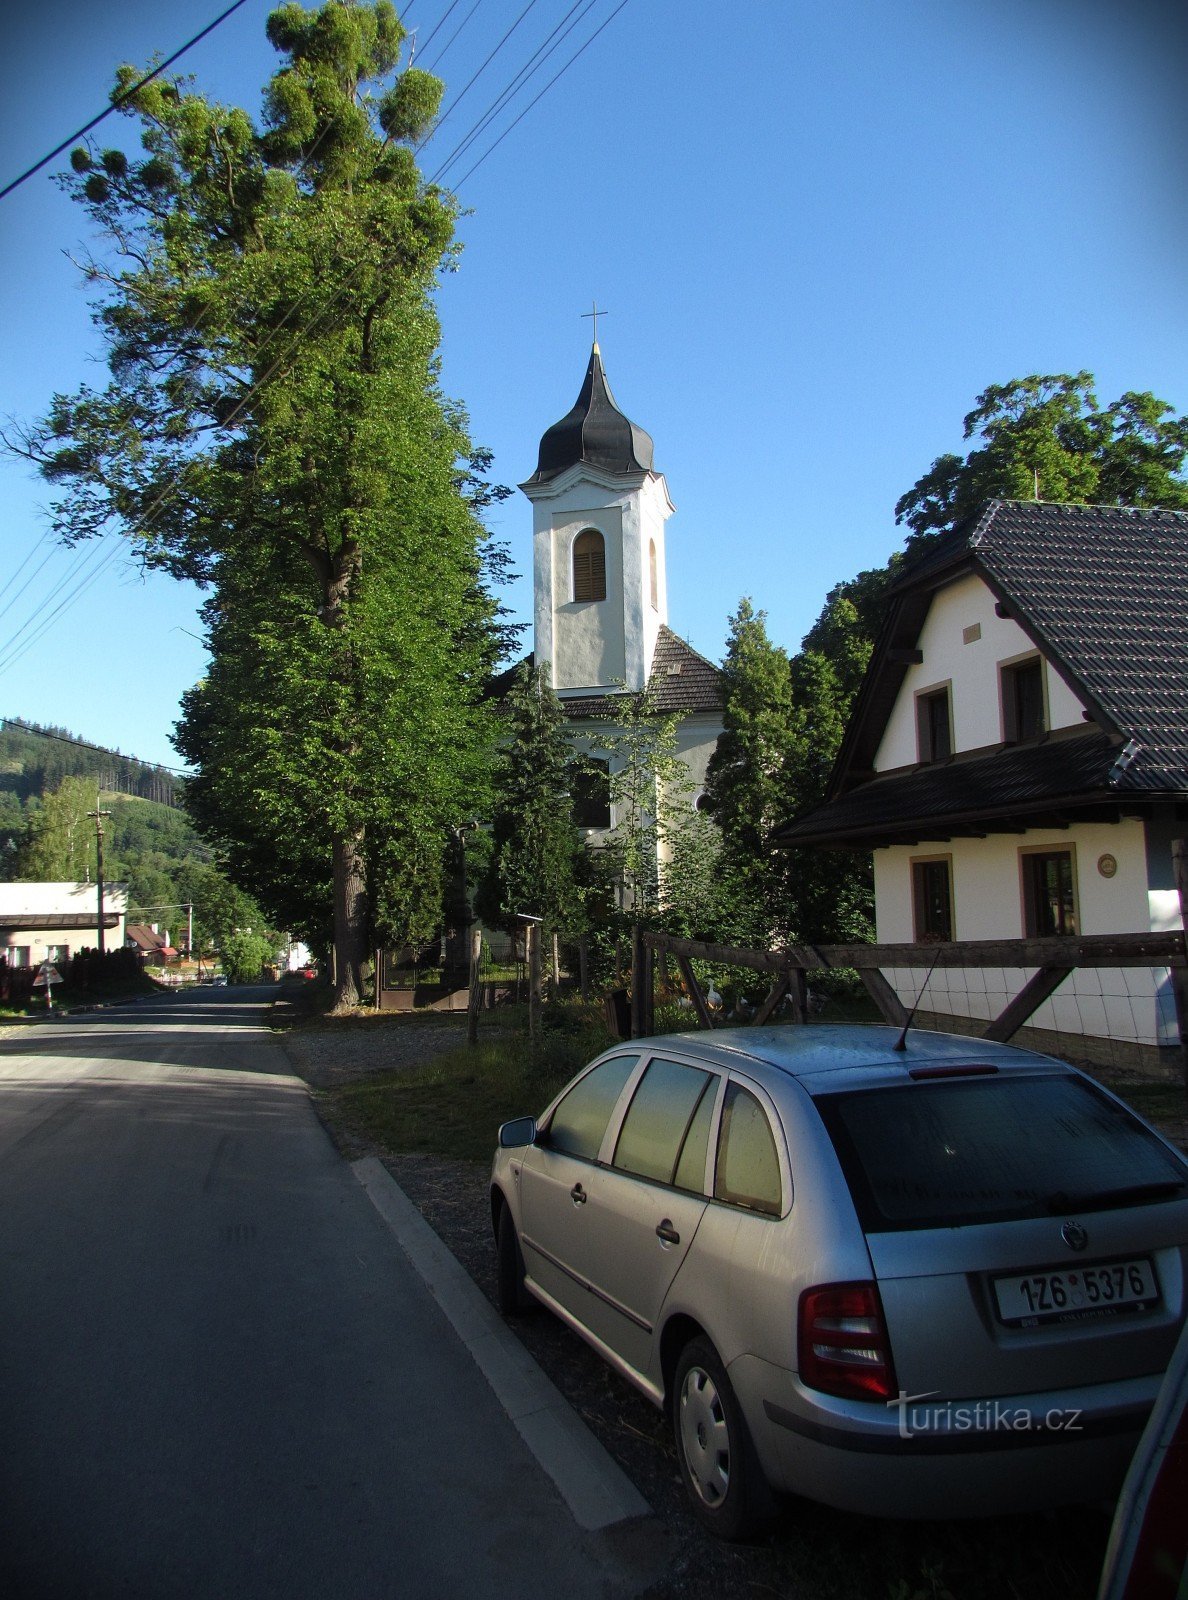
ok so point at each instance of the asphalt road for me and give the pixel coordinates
(219, 1375)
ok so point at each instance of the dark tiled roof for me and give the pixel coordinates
(594, 431)
(968, 795)
(1103, 592)
(683, 681)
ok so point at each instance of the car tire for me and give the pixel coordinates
(511, 1296)
(719, 1466)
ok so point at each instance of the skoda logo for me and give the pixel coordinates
(1074, 1236)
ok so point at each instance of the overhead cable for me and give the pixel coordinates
(539, 97)
(120, 100)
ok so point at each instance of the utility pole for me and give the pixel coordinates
(99, 815)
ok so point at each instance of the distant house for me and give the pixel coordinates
(149, 941)
(52, 921)
(1017, 758)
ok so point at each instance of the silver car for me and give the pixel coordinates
(936, 1280)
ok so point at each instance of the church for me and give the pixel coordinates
(600, 602)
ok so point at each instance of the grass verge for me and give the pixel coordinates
(452, 1104)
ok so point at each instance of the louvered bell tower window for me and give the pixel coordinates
(589, 566)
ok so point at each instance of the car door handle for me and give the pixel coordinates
(578, 1195)
(668, 1233)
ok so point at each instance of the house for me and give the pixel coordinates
(600, 600)
(148, 940)
(1017, 757)
(52, 921)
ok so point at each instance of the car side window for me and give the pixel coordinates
(748, 1169)
(661, 1110)
(579, 1122)
(690, 1172)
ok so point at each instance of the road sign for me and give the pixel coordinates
(46, 974)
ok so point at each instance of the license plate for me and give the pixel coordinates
(1071, 1295)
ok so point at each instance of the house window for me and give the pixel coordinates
(1023, 700)
(589, 566)
(654, 586)
(18, 954)
(934, 725)
(57, 952)
(591, 794)
(1049, 893)
(932, 899)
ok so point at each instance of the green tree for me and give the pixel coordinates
(747, 781)
(648, 783)
(273, 429)
(1046, 437)
(243, 954)
(535, 847)
(60, 845)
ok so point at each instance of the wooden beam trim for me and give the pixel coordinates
(695, 994)
(1030, 997)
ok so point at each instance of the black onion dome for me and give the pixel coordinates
(595, 431)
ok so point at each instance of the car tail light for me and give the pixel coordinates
(843, 1344)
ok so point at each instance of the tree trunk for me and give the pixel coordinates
(350, 920)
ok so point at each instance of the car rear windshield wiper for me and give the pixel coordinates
(1132, 1195)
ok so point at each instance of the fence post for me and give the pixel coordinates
(475, 997)
(534, 981)
(1179, 976)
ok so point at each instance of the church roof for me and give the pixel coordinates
(595, 431)
(682, 681)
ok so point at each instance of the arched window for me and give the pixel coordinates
(589, 566)
(652, 574)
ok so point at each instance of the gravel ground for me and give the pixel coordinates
(812, 1553)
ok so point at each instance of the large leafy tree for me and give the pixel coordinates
(273, 429)
(1046, 437)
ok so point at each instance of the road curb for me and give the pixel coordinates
(596, 1490)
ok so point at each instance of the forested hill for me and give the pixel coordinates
(34, 760)
(48, 789)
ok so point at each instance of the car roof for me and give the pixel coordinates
(818, 1051)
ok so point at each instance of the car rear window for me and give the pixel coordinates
(939, 1154)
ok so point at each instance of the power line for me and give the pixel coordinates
(437, 26)
(101, 749)
(540, 96)
(440, 56)
(458, 98)
(120, 99)
(528, 71)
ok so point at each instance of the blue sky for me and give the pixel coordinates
(819, 231)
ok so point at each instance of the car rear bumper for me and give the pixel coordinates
(926, 1458)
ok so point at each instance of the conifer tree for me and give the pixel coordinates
(273, 428)
(535, 846)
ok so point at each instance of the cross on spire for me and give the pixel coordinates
(595, 313)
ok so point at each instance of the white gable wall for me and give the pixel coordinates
(971, 671)
(963, 644)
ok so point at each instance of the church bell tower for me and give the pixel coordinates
(599, 509)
